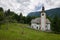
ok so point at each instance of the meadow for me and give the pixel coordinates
(17, 31)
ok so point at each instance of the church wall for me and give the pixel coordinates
(35, 26)
(48, 26)
(43, 21)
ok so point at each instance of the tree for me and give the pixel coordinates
(1, 9)
(10, 16)
(7, 13)
(55, 25)
(20, 18)
(1, 16)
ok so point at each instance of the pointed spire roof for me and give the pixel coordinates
(43, 9)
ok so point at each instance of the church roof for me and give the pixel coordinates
(38, 20)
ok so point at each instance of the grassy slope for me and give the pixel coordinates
(20, 32)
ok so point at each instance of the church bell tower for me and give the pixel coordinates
(43, 19)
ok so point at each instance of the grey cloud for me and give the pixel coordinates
(28, 5)
(22, 1)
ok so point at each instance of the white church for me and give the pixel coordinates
(42, 23)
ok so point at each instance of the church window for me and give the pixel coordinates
(32, 26)
(37, 27)
(37, 23)
(46, 28)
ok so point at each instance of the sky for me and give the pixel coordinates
(27, 6)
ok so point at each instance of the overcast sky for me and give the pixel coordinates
(26, 6)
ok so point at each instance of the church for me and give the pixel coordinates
(42, 23)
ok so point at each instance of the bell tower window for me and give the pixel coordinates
(42, 14)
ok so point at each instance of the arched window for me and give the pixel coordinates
(32, 26)
(46, 27)
(37, 27)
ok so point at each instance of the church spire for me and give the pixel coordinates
(43, 9)
(43, 19)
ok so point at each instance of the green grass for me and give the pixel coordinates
(16, 31)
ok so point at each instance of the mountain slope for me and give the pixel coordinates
(18, 31)
(50, 12)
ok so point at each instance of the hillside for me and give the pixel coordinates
(16, 31)
(49, 13)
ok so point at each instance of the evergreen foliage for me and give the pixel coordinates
(10, 16)
(55, 25)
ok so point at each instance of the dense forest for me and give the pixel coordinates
(10, 16)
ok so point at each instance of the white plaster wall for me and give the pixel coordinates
(43, 21)
(48, 26)
(34, 26)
